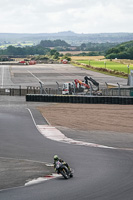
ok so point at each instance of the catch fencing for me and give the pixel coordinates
(18, 90)
(118, 92)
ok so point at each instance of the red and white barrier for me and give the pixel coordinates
(54, 134)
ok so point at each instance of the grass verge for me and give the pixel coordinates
(101, 70)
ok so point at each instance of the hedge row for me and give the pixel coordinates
(80, 99)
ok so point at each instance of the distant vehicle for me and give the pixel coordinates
(64, 61)
(32, 62)
(79, 86)
(75, 86)
(22, 61)
(67, 87)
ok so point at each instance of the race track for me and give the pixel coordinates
(99, 173)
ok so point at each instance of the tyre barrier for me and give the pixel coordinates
(80, 99)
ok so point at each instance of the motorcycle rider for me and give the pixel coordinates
(56, 158)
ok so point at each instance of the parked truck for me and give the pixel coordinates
(78, 86)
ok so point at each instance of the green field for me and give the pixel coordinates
(108, 65)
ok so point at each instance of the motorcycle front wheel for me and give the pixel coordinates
(64, 172)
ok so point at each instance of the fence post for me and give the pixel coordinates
(74, 88)
(20, 90)
(119, 91)
(90, 88)
(107, 89)
(58, 91)
(27, 89)
(42, 90)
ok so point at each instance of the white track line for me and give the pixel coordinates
(36, 181)
(34, 76)
(32, 116)
(42, 179)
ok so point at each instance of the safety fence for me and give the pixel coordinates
(18, 90)
(10, 63)
(80, 99)
(117, 92)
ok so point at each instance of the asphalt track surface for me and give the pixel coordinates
(49, 74)
(99, 173)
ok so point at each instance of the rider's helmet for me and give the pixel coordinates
(56, 157)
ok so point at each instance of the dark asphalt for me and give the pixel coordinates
(100, 174)
(17, 163)
(50, 73)
(17, 172)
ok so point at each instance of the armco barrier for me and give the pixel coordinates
(80, 99)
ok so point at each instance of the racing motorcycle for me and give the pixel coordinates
(63, 170)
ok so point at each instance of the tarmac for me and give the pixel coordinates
(17, 172)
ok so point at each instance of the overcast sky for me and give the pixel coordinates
(80, 16)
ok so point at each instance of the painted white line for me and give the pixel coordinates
(36, 181)
(34, 76)
(32, 117)
(47, 121)
(42, 179)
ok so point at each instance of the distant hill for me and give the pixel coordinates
(54, 43)
(70, 37)
(121, 51)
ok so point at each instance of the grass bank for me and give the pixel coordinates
(108, 65)
(116, 68)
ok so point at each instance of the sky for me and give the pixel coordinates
(79, 16)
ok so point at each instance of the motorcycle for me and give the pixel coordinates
(63, 170)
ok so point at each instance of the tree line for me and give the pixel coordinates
(43, 48)
(110, 50)
(11, 50)
(54, 43)
(122, 51)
